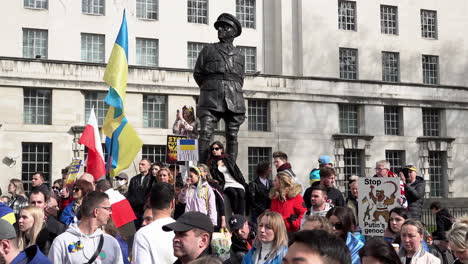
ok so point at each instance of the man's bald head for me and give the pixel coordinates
(88, 177)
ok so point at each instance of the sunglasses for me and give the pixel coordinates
(338, 226)
(216, 149)
(57, 189)
(76, 189)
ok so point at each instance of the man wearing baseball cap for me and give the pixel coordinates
(243, 235)
(9, 252)
(415, 188)
(192, 236)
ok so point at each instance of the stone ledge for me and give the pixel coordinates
(437, 139)
(352, 136)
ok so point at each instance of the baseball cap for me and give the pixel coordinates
(189, 221)
(7, 231)
(237, 222)
(325, 159)
(411, 167)
(122, 175)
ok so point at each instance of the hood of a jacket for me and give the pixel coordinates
(75, 230)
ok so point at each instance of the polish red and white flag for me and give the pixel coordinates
(91, 138)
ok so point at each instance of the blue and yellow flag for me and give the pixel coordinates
(122, 142)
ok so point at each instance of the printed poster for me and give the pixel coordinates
(171, 151)
(187, 150)
(73, 172)
(376, 197)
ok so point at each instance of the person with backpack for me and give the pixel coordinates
(199, 196)
(444, 220)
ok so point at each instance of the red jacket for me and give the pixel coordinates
(294, 204)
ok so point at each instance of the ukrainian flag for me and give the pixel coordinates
(122, 142)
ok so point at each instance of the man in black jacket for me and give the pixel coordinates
(259, 190)
(415, 188)
(327, 179)
(38, 184)
(444, 219)
(138, 189)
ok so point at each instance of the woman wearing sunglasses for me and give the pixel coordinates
(80, 189)
(343, 223)
(225, 171)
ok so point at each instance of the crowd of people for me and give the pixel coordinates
(172, 219)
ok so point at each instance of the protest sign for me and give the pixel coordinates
(73, 172)
(187, 150)
(376, 197)
(171, 152)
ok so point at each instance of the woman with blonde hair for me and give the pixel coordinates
(412, 252)
(18, 198)
(286, 199)
(30, 223)
(457, 237)
(165, 175)
(271, 243)
(314, 222)
(199, 196)
(205, 173)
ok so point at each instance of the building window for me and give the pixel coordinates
(154, 153)
(37, 106)
(392, 120)
(92, 48)
(36, 4)
(436, 172)
(431, 122)
(255, 156)
(349, 119)
(348, 64)
(390, 66)
(94, 7)
(396, 159)
(193, 49)
(245, 12)
(347, 15)
(430, 66)
(258, 115)
(389, 19)
(250, 55)
(429, 24)
(197, 11)
(147, 9)
(154, 111)
(147, 52)
(353, 165)
(96, 100)
(36, 158)
(35, 43)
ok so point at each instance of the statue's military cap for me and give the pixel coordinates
(230, 20)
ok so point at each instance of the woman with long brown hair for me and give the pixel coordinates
(80, 189)
(286, 199)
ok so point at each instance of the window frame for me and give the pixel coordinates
(393, 155)
(427, 69)
(100, 106)
(45, 108)
(348, 170)
(344, 17)
(153, 148)
(342, 121)
(346, 72)
(389, 129)
(390, 64)
(252, 161)
(33, 4)
(154, 122)
(263, 106)
(430, 128)
(387, 17)
(139, 57)
(26, 174)
(425, 32)
(37, 43)
(196, 6)
(85, 53)
(248, 61)
(245, 11)
(190, 60)
(143, 11)
(93, 7)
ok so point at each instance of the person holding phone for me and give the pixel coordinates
(415, 188)
(185, 123)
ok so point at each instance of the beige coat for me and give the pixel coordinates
(420, 257)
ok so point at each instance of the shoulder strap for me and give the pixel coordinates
(98, 250)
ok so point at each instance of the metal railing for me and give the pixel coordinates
(429, 219)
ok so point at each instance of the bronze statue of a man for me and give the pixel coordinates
(219, 72)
